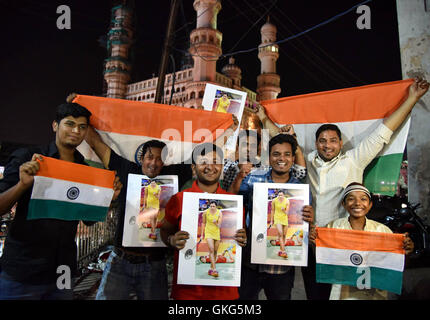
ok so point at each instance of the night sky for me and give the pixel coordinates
(40, 64)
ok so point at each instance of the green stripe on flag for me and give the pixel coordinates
(383, 279)
(94, 164)
(382, 174)
(63, 210)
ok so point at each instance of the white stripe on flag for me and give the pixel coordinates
(343, 257)
(126, 146)
(353, 132)
(61, 190)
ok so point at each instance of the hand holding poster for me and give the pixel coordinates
(211, 256)
(144, 211)
(279, 234)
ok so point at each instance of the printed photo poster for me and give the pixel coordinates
(226, 100)
(144, 210)
(211, 256)
(279, 234)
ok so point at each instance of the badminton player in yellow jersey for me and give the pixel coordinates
(211, 224)
(280, 207)
(152, 200)
(222, 104)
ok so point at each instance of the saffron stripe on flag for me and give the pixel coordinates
(360, 240)
(65, 170)
(368, 102)
(383, 279)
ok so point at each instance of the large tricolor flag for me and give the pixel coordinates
(125, 125)
(69, 191)
(355, 258)
(357, 112)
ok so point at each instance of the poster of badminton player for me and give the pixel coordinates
(211, 256)
(216, 249)
(285, 224)
(221, 99)
(146, 202)
(279, 234)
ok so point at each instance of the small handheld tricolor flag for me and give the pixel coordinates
(357, 112)
(69, 191)
(342, 257)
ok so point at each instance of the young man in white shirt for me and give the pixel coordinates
(330, 170)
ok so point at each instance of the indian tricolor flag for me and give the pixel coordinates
(357, 112)
(354, 258)
(69, 191)
(125, 125)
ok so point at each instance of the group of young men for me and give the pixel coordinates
(35, 248)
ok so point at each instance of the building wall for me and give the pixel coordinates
(414, 38)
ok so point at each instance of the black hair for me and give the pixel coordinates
(71, 109)
(328, 126)
(249, 133)
(205, 148)
(154, 144)
(283, 138)
(213, 201)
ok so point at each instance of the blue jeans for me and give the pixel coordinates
(14, 290)
(276, 286)
(120, 278)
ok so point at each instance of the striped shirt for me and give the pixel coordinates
(328, 179)
(231, 170)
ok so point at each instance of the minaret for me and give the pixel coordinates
(268, 82)
(205, 47)
(233, 71)
(117, 67)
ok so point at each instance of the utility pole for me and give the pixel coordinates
(414, 37)
(165, 56)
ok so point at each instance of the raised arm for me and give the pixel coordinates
(416, 91)
(102, 150)
(27, 171)
(222, 140)
(267, 123)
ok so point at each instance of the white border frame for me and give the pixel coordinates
(130, 236)
(259, 224)
(186, 267)
(207, 103)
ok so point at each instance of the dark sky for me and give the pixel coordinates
(40, 64)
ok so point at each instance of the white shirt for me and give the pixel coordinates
(328, 179)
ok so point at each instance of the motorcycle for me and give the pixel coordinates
(401, 216)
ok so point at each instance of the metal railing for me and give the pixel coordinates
(91, 239)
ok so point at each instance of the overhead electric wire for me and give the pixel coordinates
(273, 3)
(309, 73)
(322, 49)
(288, 38)
(313, 58)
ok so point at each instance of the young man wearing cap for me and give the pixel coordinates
(140, 270)
(330, 170)
(34, 249)
(207, 162)
(357, 201)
